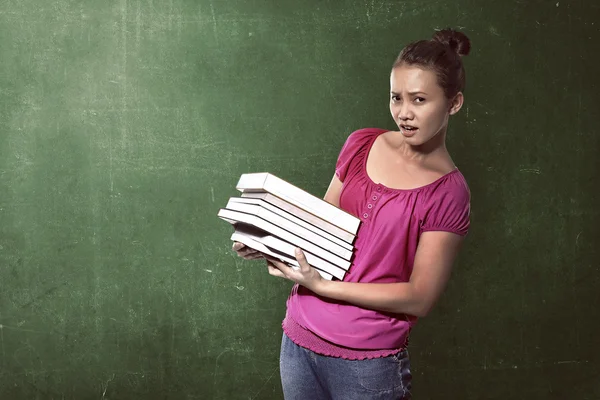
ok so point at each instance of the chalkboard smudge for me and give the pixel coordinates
(214, 20)
(217, 365)
(531, 170)
(44, 294)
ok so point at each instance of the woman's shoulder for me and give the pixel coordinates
(451, 187)
(364, 134)
(354, 150)
(360, 139)
(447, 204)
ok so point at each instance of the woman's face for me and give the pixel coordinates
(418, 104)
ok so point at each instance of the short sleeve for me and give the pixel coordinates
(448, 207)
(355, 145)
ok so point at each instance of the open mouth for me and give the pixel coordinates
(408, 130)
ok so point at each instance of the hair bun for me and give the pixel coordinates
(457, 41)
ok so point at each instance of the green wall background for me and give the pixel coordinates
(124, 126)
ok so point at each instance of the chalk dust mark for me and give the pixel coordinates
(264, 384)
(486, 109)
(214, 21)
(138, 25)
(531, 170)
(105, 386)
(124, 90)
(110, 163)
(530, 366)
(2, 340)
(47, 292)
(217, 365)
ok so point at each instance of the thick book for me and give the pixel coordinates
(266, 182)
(290, 216)
(290, 226)
(274, 230)
(302, 214)
(281, 249)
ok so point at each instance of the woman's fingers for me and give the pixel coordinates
(237, 246)
(246, 252)
(273, 270)
(254, 256)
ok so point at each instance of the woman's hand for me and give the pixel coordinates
(246, 252)
(304, 275)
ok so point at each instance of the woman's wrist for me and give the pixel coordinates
(325, 288)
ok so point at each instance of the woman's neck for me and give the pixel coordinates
(434, 148)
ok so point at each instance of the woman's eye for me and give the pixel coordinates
(396, 98)
(419, 99)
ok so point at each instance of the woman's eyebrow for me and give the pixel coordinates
(411, 93)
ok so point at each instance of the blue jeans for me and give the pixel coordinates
(306, 375)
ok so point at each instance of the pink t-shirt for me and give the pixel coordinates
(392, 221)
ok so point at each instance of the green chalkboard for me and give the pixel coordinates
(124, 126)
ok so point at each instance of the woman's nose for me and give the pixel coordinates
(404, 113)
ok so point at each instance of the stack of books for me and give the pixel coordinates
(274, 217)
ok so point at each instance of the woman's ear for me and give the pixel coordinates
(456, 103)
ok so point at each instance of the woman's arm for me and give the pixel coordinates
(432, 267)
(334, 190)
(431, 270)
(434, 258)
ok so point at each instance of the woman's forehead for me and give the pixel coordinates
(413, 79)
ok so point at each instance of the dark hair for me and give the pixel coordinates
(441, 54)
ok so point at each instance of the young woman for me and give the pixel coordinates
(348, 339)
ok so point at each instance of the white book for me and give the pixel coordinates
(290, 226)
(302, 214)
(238, 237)
(285, 235)
(293, 218)
(266, 182)
(278, 248)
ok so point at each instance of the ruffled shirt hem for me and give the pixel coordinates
(305, 338)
